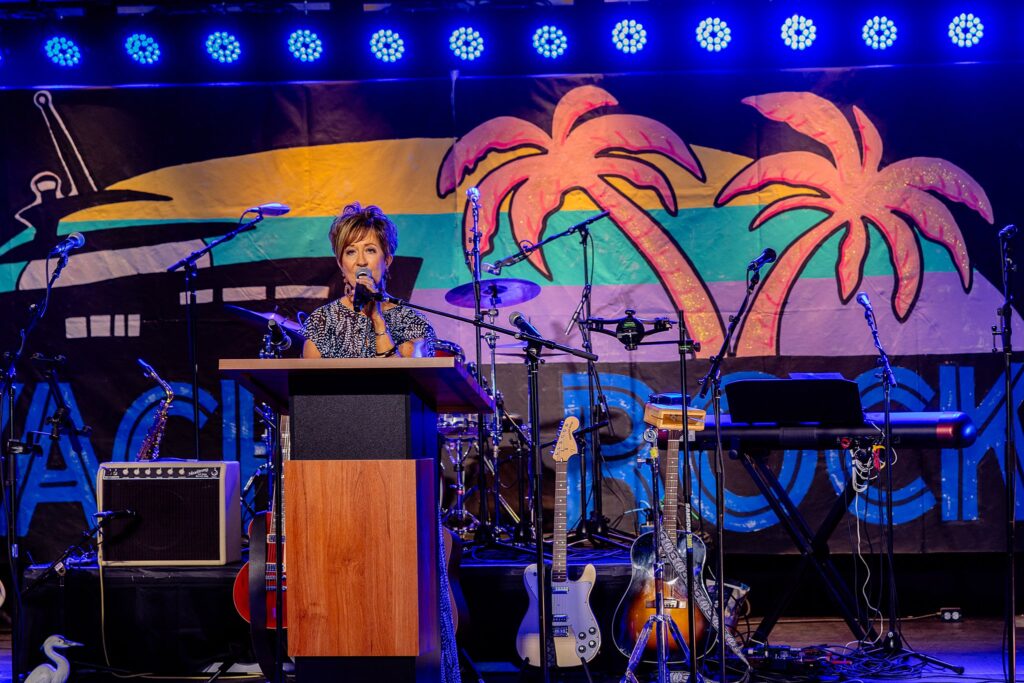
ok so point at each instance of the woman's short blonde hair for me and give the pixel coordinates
(357, 221)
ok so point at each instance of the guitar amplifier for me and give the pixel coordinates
(166, 512)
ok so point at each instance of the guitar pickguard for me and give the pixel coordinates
(576, 633)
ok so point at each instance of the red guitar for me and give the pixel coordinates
(240, 591)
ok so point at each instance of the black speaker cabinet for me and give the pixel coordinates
(181, 513)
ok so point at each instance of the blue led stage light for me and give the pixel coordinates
(550, 42)
(879, 33)
(629, 36)
(966, 30)
(713, 34)
(223, 47)
(798, 32)
(63, 51)
(466, 43)
(387, 45)
(305, 45)
(142, 48)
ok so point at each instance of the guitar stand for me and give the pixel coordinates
(659, 619)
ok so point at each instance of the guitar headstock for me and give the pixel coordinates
(566, 447)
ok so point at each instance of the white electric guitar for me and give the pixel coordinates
(574, 632)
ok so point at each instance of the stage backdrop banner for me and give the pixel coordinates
(893, 182)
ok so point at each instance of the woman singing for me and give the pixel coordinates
(364, 241)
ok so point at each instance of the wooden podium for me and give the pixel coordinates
(361, 499)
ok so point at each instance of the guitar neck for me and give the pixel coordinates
(559, 571)
(670, 509)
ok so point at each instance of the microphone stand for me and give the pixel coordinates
(893, 640)
(10, 448)
(687, 346)
(188, 264)
(533, 361)
(1010, 460)
(595, 526)
(713, 381)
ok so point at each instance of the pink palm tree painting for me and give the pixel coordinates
(584, 156)
(853, 191)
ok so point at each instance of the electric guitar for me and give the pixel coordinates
(240, 590)
(637, 604)
(574, 636)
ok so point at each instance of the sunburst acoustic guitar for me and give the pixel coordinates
(637, 604)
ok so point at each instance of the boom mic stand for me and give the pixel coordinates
(713, 381)
(188, 266)
(533, 349)
(1010, 460)
(595, 526)
(892, 642)
(10, 448)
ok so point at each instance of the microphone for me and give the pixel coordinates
(524, 325)
(864, 301)
(75, 240)
(362, 295)
(767, 256)
(278, 338)
(114, 514)
(495, 268)
(270, 209)
(1008, 232)
(474, 195)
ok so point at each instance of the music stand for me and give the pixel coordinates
(788, 402)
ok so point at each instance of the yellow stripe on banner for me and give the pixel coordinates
(400, 176)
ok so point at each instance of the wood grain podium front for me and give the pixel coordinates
(361, 500)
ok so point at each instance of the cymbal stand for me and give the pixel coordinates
(188, 266)
(713, 381)
(10, 448)
(533, 361)
(485, 530)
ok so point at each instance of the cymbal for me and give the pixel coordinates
(293, 328)
(505, 291)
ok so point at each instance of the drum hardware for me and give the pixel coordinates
(458, 518)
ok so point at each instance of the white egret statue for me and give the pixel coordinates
(44, 673)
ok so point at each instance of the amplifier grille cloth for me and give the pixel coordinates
(176, 519)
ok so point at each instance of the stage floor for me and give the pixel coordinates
(974, 644)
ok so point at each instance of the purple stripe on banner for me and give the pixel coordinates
(945, 319)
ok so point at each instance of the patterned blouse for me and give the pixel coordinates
(340, 332)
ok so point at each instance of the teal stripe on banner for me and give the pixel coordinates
(718, 241)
